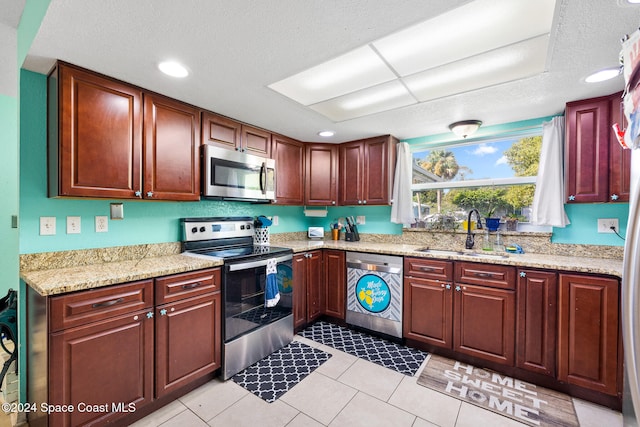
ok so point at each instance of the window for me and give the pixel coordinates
(494, 175)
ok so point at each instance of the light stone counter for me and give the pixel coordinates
(606, 266)
(68, 279)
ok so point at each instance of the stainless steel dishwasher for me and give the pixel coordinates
(374, 292)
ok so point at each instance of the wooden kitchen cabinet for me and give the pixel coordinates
(536, 321)
(366, 171)
(228, 133)
(428, 284)
(596, 167)
(101, 351)
(335, 283)
(96, 146)
(484, 311)
(588, 332)
(171, 149)
(321, 174)
(188, 328)
(308, 291)
(95, 135)
(289, 156)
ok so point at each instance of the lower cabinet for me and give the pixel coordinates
(335, 283)
(308, 292)
(444, 311)
(107, 352)
(588, 332)
(537, 321)
(320, 286)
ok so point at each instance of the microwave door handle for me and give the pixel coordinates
(263, 178)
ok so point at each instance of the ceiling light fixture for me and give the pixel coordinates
(603, 75)
(173, 69)
(465, 128)
(326, 133)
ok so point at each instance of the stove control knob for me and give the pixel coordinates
(248, 226)
(194, 230)
(242, 227)
(202, 229)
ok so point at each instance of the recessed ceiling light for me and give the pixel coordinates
(326, 133)
(633, 1)
(602, 75)
(173, 69)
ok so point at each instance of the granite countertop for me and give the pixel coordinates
(606, 266)
(53, 281)
(69, 279)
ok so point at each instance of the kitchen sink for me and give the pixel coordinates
(448, 252)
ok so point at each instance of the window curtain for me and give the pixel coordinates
(548, 199)
(402, 207)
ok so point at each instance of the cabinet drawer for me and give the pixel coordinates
(428, 268)
(83, 307)
(185, 285)
(496, 276)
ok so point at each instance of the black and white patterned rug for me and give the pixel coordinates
(274, 375)
(377, 350)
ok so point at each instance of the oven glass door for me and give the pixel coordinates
(244, 296)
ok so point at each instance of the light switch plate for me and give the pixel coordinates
(73, 225)
(47, 225)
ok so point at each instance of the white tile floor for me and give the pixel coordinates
(344, 391)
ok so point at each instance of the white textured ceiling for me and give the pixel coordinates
(235, 49)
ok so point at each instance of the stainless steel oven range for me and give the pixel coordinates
(251, 329)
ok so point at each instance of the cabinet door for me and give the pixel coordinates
(484, 323)
(188, 341)
(321, 170)
(299, 291)
(619, 159)
(289, 157)
(428, 307)
(101, 363)
(95, 135)
(335, 276)
(536, 322)
(171, 144)
(315, 286)
(377, 180)
(587, 148)
(588, 332)
(256, 141)
(351, 173)
(220, 131)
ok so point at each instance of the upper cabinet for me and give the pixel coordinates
(321, 174)
(227, 133)
(171, 144)
(102, 141)
(366, 171)
(289, 156)
(597, 168)
(95, 135)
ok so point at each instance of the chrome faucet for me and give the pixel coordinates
(470, 240)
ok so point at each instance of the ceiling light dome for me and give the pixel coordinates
(602, 75)
(173, 69)
(465, 128)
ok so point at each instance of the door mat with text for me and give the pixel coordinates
(516, 399)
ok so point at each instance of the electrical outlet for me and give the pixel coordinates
(605, 224)
(360, 219)
(274, 220)
(73, 225)
(47, 225)
(102, 224)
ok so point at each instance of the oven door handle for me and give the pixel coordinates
(259, 263)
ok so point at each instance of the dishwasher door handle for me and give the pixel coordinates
(372, 266)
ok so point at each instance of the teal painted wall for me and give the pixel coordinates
(584, 224)
(9, 237)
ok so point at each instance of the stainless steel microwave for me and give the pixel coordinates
(234, 175)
